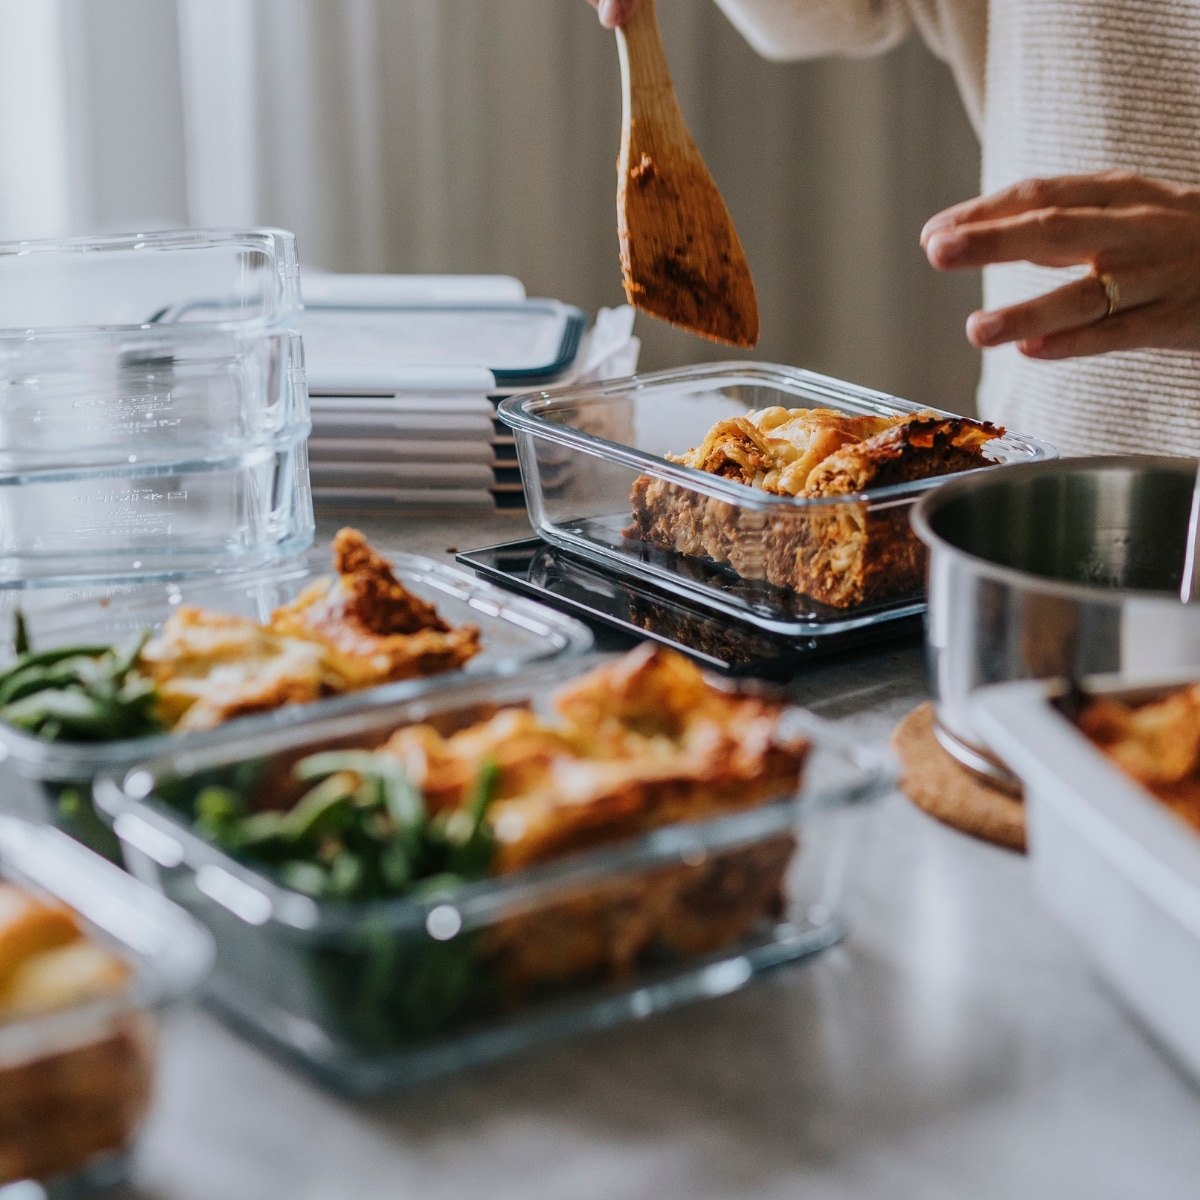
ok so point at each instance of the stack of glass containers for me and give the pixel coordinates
(153, 409)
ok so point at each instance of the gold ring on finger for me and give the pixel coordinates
(1112, 293)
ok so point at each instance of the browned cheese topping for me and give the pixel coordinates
(1156, 744)
(818, 451)
(358, 629)
(637, 744)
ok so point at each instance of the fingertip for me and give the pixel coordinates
(614, 13)
(1033, 347)
(984, 329)
(940, 221)
(946, 248)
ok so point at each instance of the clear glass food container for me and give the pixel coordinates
(146, 349)
(586, 452)
(233, 511)
(1108, 858)
(153, 408)
(377, 995)
(75, 1083)
(51, 780)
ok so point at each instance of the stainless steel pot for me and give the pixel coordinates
(1065, 568)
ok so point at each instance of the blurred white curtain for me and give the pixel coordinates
(35, 188)
(90, 117)
(481, 135)
(472, 135)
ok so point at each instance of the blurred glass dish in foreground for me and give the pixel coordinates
(506, 869)
(51, 779)
(86, 956)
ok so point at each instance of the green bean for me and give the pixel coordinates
(302, 876)
(125, 658)
(329, 762)
(37, 678)
(106, 700)
(321, 809)
(360, 831)
(259, 831)
(217, 809)
(395, 867)
(471, 855)
(346, 875)
(403, 801)
(69, 708)
(46, 658)
(23, 683)
(20, 633)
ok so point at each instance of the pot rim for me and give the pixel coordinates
(922, 513)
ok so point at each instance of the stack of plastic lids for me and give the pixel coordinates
(154, 419)
(405, 372)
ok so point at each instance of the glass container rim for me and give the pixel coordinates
(523, 412)
(279, 243)
(72, 761)
(128, 802)
(172, 951)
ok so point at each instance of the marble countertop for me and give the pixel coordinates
(955, 1045)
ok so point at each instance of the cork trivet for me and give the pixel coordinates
(945, 789)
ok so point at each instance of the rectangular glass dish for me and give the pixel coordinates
(137, 440)
(85, 1072)
(238, 510)
(376, 995)
(1110, 861)
(106, 360)
(585, 453)
(37, 774)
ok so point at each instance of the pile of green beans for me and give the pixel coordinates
(361, 832)
(78, 693)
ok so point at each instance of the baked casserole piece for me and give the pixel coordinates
(841, 554)
(644, 742)
(354, 630)
(85, 1100)
(632, 746)
(1156, 743)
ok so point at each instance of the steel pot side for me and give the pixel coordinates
(1067, 568)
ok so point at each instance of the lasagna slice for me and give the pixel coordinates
(635, 745)
(1157, 744)
(357, 630)
(76, 1090)
(371, 628)
(839, 554)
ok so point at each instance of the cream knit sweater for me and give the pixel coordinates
(1054, 87)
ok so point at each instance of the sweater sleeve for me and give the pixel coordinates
(955, 30)
(790, 29)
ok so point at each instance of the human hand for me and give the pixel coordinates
(1140, 235)
(614, 12)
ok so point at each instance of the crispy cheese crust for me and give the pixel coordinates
(371, 628)
(1156, 744)
(356, 630)
(838, 554)
(638, 744)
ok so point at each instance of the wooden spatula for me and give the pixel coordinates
(681, 259)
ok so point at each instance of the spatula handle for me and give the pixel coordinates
(646, 89)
